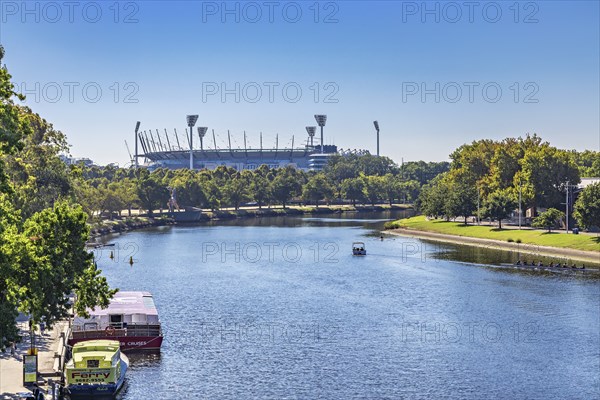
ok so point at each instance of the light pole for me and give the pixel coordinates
(202, 132)
(478, 215)
(137, 128)
(520, 212)
(377, 129)
(311, 132)
(191, 121)
(321, 120)
(567, 210)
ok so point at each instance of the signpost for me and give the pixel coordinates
(30, 369)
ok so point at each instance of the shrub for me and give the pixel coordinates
(509, 240)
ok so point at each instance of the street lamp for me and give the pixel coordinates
(202, 132)
(137, 128)
(311, 132)
(377, 129)
(321, 120)
(520, 211)
(191, 121)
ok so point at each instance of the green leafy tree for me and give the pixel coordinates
(38, 176)
(286, 185)
(151, 191)
(392, 188)
(353, 189)
(53, 262)
(410, 190)
(499, 205)
(461, 201)
(9, 220)
(374, 188)
(189, 190)
(548, 219)
(236, 190)
(260, 189)
(317, 188)
(423, 172)
(432, 198)
(111, 198)
(546, 171)
(587, 206)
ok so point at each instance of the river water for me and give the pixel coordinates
(278, 308)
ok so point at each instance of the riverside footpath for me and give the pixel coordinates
(50, 358)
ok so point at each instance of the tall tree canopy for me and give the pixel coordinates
(42, 233)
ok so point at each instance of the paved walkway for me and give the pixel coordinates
(11, 367)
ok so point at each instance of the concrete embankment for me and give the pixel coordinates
(536, 250)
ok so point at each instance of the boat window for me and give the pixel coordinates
(93, 363)
(116, 320)
(90, 326)
(138, 318)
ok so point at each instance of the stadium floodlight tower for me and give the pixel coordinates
(321, 120)
(202, 132)
(137, 128)
(377, 129)
(191, 121)
(311, 132)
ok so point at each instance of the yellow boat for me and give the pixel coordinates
(97, 368)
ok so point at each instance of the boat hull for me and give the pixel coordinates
(130, 343)
(99, 390)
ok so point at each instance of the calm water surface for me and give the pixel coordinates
(278, 308)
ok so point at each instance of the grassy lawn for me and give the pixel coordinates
(537, 237)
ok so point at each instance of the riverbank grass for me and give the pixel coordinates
(529, 236)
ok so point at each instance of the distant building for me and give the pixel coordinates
(163, 154)
(585, 182)
(76, 161)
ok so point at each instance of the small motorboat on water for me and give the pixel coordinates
(359, 249)
(97, 369)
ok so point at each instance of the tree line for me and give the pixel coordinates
(491, 176)
(43, 231)
(350, 179)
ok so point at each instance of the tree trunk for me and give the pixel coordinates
(499, 223)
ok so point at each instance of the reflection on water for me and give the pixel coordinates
(279, 308)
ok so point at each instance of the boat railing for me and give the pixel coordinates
(118, 330)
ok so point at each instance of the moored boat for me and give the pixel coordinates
(131, 319)
(97, 369)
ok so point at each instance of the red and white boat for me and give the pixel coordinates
(131, 318)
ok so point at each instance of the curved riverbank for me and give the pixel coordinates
(533, 249)
(108, 227)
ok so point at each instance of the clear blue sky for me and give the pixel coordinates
(376, 55)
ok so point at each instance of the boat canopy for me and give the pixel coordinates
(131, 308)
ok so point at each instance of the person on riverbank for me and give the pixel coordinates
(42, 328)
(13, 348)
